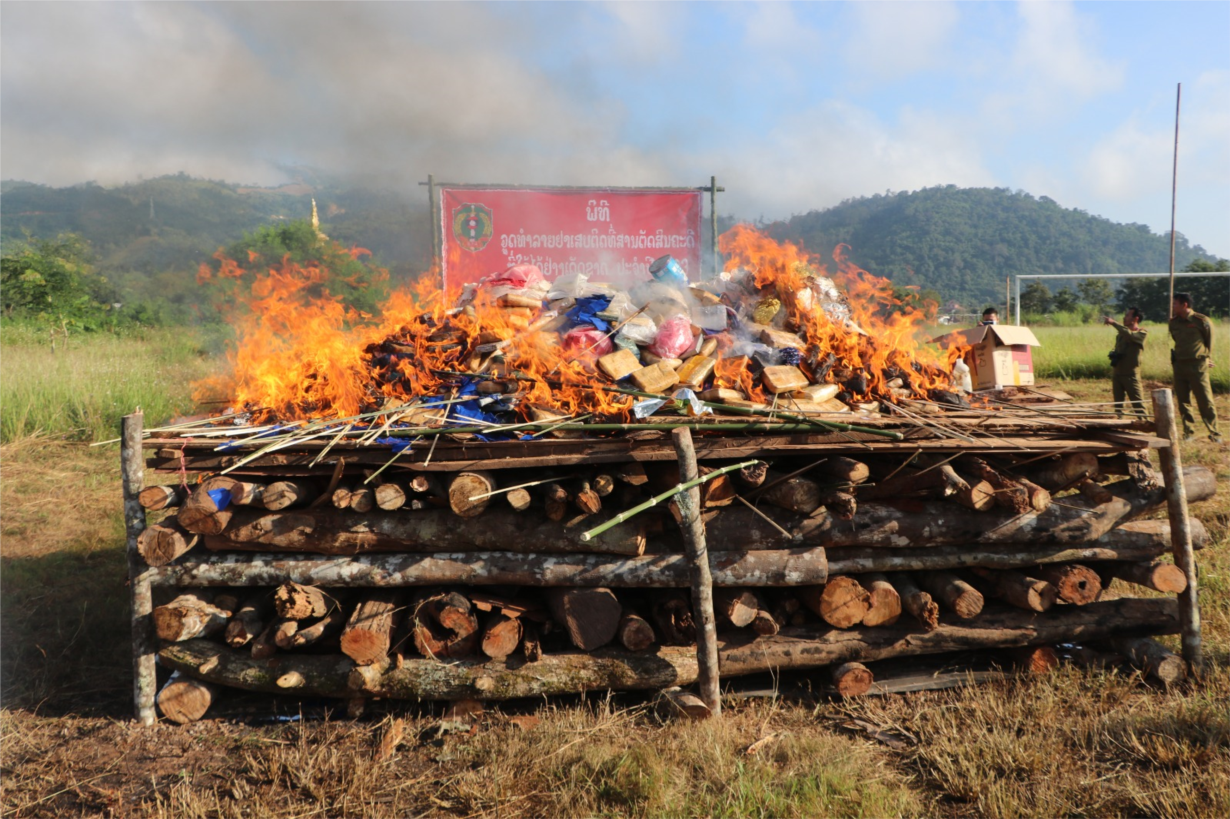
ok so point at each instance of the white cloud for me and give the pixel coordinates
(893, 40)
(235, 91)
(645, 31)
(1136, 158)
(836, 150)
(774, 28)
(1056, 49)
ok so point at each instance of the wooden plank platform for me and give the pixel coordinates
(172, 455)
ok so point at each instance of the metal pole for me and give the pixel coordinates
(1180, 527)
(1008, 297)
(713, 189)
(1174, 190)
(144, 647)
(436, 238)
(702, 580)
(1018, 301)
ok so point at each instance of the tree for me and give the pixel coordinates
(297, 249)
(1211, 295)
(1097, 293)
(1036, 298)
(1065, 300)
(1147, 295)
(53, 281)
(1206, 266)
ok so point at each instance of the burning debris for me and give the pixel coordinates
(773, 335)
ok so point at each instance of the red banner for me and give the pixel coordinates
(608, 235)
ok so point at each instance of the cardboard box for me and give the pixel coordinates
(999, 354)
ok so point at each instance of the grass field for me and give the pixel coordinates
(81, 385)
(1080, 353)
(1074, 742)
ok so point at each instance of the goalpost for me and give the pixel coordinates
(1105, 276)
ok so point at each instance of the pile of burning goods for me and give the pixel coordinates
(508, 492)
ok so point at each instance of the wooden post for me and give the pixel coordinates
(144, 646)
(702, 582)
(1180, 527)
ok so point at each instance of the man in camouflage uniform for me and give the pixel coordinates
(1125, 360)
(1192, 357)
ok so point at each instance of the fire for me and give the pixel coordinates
(301, 353)
(883, 338)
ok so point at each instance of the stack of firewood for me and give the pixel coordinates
(500, 584)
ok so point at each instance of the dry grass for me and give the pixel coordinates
(1075, 742)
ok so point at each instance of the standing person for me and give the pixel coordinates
(1191, 358)
(1125, 360)
(990, 316)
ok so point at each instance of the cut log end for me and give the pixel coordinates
(842, 602)
(163, 543)
(884, 603)
(184, 700)
(590, 616)
(469, 493)
(501, 636)
(635, 633)
(1153, 658)
(852, 679)
(1035, 659)
(366, 637)
(1076, 584)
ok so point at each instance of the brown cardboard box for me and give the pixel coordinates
(999, 354)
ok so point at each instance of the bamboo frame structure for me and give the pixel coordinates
(702, 582)
(1180, 527)
(749, 567)
(144, 644)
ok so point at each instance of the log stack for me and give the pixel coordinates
(485, 577)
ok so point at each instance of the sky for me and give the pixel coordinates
(792, 106)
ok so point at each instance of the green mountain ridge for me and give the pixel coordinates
(964, 242)
(151, 236)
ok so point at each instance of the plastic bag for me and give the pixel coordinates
(519, 275)
(587, 338)
(577, 286)
(639, 330)
(674, 338)
(710, 318)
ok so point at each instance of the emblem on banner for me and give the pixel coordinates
(473, 226)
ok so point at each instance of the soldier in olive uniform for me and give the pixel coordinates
(1191, 357)
(1125, 360)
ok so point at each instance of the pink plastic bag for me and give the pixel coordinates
(674, 338)
(585, 337)
(520, 275)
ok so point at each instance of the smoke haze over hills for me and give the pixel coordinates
(792, 107)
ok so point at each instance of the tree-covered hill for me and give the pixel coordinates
(149, 237)
(963, 242)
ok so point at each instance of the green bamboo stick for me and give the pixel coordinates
(749, 426)
(656, 499)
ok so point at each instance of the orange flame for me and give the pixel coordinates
(301, 353)
(885, 336)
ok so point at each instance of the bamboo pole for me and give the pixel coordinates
(702, 582)
(656, 499)
(1180, 527)
(144, 646)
